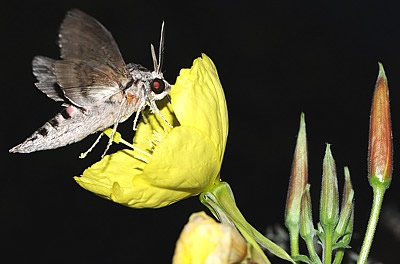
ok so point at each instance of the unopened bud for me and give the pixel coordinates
(329, 203)
(380, 134)
(347, 206)
(298, 178)
(307, 230)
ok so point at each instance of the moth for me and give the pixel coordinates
(97, 89)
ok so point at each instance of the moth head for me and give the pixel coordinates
(158, 86)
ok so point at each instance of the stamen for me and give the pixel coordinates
(141, 159)
(126, 143)
(118, 139)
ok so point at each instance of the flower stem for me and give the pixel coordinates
(311, 251)
(339, 256)
(294, 241)
(327, 255)
(379, 191)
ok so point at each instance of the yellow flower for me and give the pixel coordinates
(204, 241)
(177, 162)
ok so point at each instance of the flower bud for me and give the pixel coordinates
(329, 204)
(347, 206)
(205, 241)
(298, 179)
(380, 165)
(307, 230)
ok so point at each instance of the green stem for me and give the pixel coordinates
(294, 241)
(327, 255)
(311, 251)
(338, 256)
(379, 192)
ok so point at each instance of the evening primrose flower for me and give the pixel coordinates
(204, 241)
(169, 164)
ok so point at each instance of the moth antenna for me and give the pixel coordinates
(161, 48)
(153, 55)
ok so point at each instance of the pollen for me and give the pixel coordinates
(156, 139)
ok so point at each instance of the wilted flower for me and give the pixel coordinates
(174, 163)
(204, 241)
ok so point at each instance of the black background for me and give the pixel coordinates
(275, 59)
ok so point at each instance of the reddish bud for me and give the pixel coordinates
(380, 165)
(298, 178)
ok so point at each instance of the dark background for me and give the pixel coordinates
(275, 59)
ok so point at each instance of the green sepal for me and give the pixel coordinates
(377, 182)
(320, 232)
(338, 245)
(345, 238)
(302, 258)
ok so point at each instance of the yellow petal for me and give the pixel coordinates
(204, 241)
(185, 159)
(175, 171)
(120, 167)
(199, 101)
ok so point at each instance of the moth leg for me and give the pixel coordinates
(155, 110)
(84, 154)
(140, 108)
(110, 140)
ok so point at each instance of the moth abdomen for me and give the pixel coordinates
(69, 126)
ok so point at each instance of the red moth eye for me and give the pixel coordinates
(157, 86)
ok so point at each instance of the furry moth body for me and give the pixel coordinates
(97, 88)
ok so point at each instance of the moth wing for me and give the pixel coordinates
(87, 83)
(43, 70)
(83, 37)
